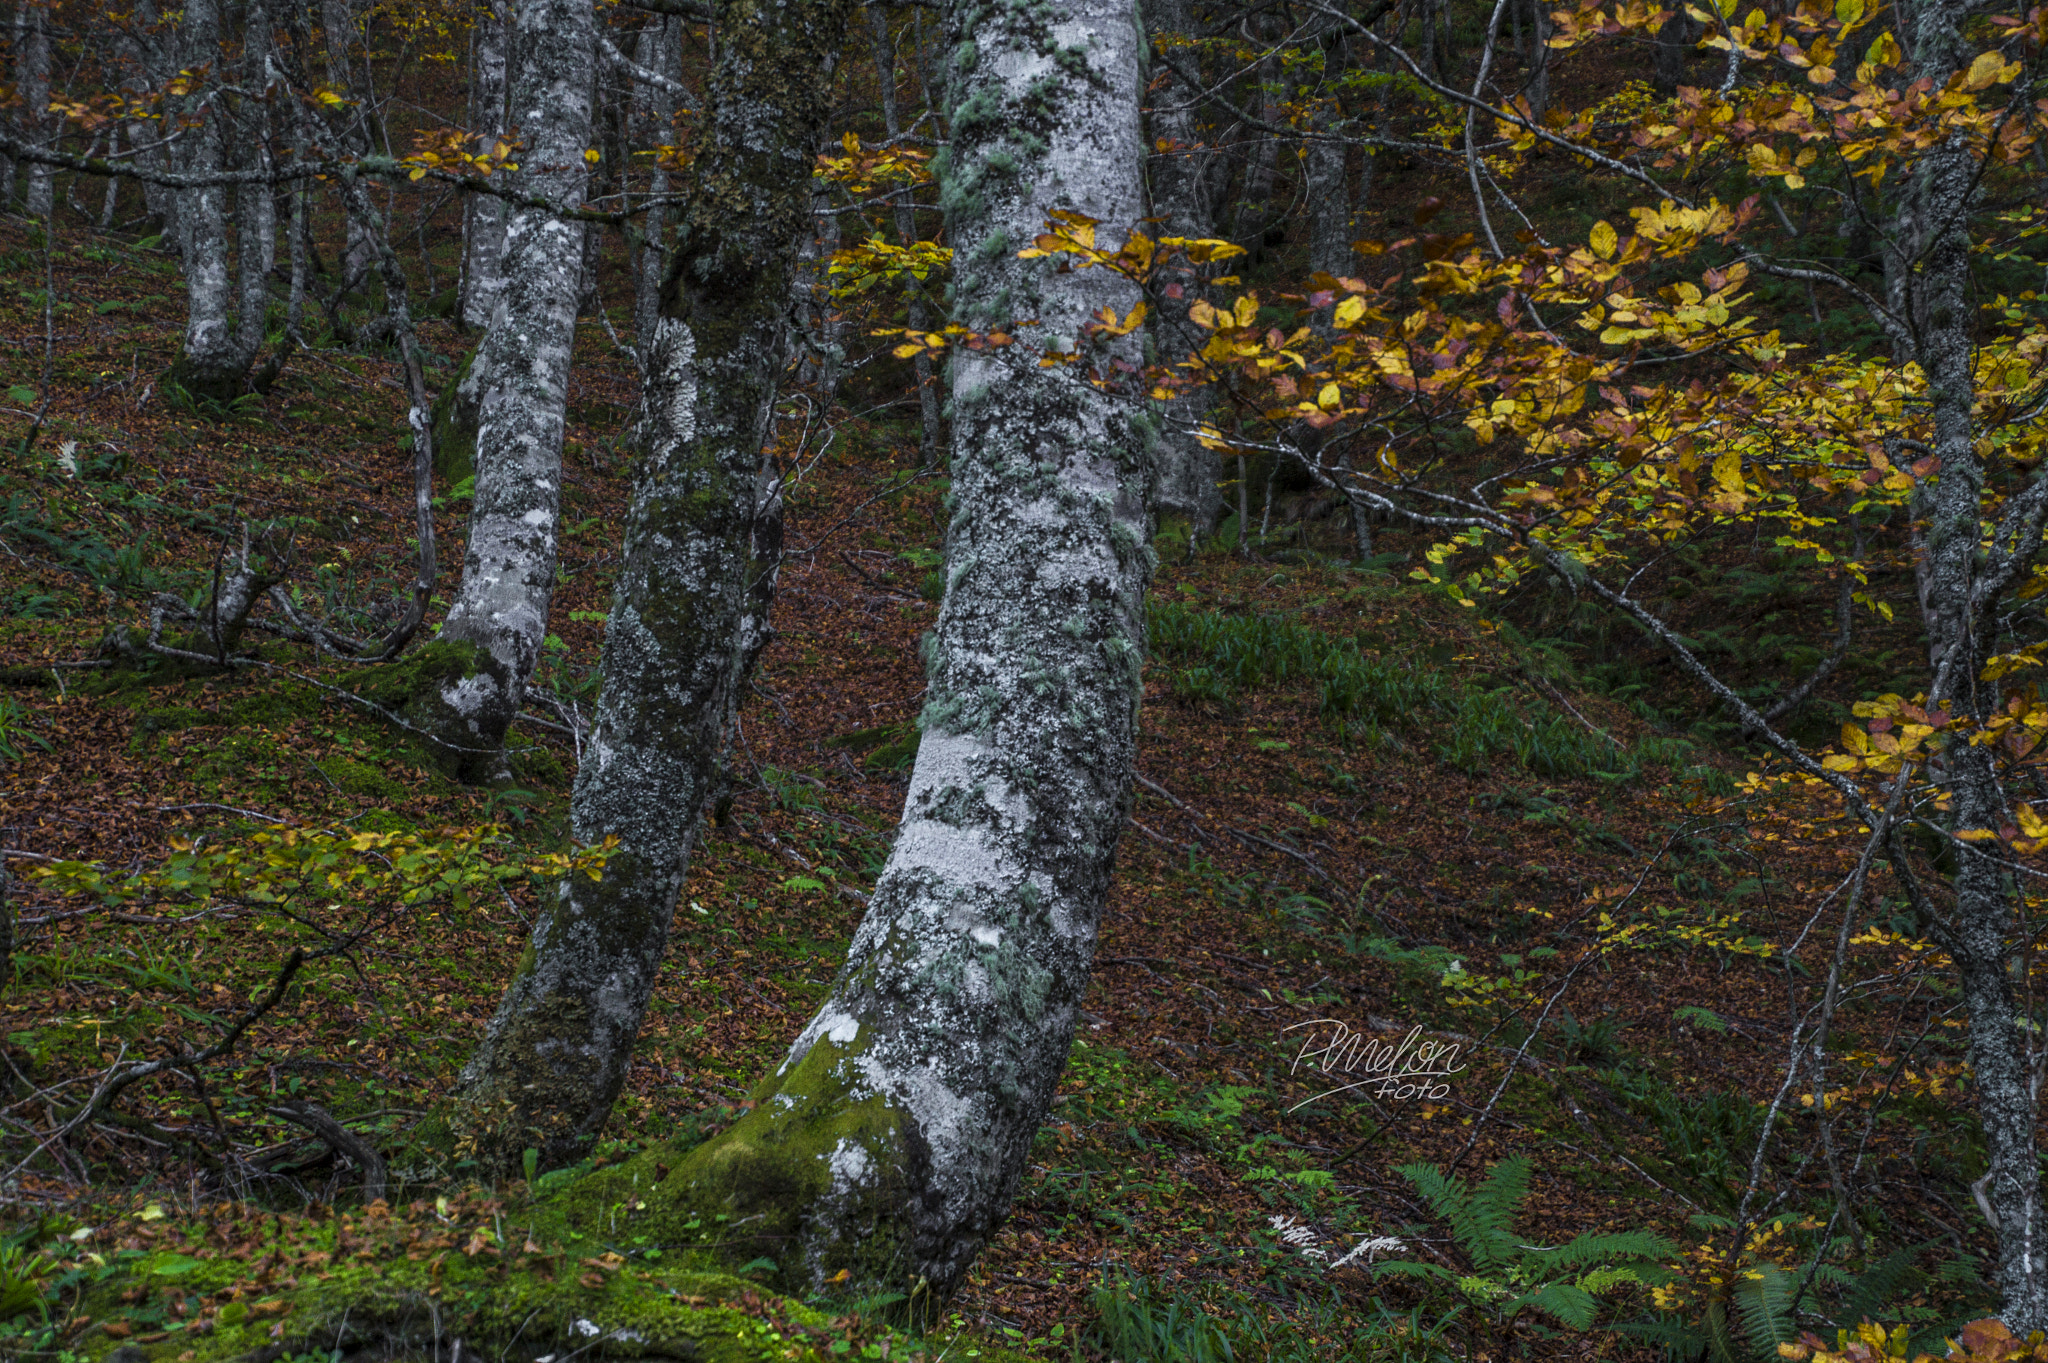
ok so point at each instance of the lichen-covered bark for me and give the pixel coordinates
(1186, 481)
(911, 1100)
(689, 613)
(1960, 622)
(36, 122)
(483, 215)
(1960, 633)
(214, 361)
(521, 373)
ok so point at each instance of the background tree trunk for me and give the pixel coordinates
(1187, 476)
(215, 360)
(38, 194)
(931, 433)
(891, 1140)
(521, 375)
(658, 48)
(483, 215)
(690, 613)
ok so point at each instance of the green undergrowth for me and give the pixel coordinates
(503, 1276)
(1363, 696)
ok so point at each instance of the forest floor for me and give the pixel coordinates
(1475, 842)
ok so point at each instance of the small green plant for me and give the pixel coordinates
(16, 737)
(21, 1283)
(1512, 1280)
(1141, 1323)
(1718, 1311)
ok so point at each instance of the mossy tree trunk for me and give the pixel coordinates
(891, 1140)
(520, 376)
(689, 615)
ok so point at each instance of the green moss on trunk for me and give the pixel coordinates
(816, 1177)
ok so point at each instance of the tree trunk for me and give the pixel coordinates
(689, 614)
(1329, 196)
(214, 362)
(931, 433)
(521, 374)
(1537, 87)
(38, 195)
(1187, 476)
(891, 1140)
(653, 111)
(255, 205)
(1961, 622)
(1674, 43)
(483, 215)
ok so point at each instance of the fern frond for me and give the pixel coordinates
(1570, 1306)
(1871, 1293)
(1471, 1225)
(1607, 1248)
(1767, 1302)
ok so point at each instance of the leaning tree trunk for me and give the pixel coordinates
(689, 614)
(521, 378)
(1187, 476)
(890, 1141)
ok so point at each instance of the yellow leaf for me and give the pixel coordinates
(1329, 399)
(1975, 835)
(1728, 470)
(907, 351)
(1989, 69)
(1603, 240)
(1850, 12)
(590, 154)
(1837, 762)
(1349, 311)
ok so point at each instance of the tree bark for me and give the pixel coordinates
(658, 48)
(1960, 623)
(214, 361)
(890, 1141)
(1187, 475)
(483, 215)
(521, 376)
(690, 612)
(1674, 42)
(38, 195)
